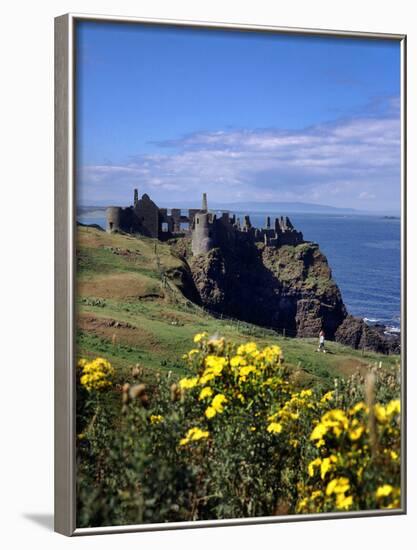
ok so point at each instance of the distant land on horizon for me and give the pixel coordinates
(261, 207)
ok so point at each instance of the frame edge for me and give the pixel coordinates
(64, 447)
(64, 503)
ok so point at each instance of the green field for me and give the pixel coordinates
(131, 310)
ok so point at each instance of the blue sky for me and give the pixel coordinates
(243, 116)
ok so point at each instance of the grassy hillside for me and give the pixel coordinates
(131, 310)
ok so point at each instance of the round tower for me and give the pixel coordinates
(113, 214)
(202, 237)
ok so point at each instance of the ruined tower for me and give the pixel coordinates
(135, 197)
(202, 237)
(202, 240)
(113, 215)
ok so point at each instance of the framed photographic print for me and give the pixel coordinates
(230, 283)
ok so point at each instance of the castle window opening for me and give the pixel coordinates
(164, 227)
(111, 226)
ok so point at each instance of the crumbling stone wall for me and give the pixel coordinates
(207, 230)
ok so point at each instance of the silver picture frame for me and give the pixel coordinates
(65, 225)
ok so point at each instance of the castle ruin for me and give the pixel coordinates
(207, 229)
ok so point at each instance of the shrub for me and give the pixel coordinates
(234, 438)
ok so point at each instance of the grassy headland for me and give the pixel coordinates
(131, 309)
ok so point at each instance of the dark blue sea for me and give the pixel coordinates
(363, 253)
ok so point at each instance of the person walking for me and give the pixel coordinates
(321, 342)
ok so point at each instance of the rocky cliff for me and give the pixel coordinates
(288, 288)
(356, 333)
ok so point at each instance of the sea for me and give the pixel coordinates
(363, 251)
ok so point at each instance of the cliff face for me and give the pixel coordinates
(289, 288)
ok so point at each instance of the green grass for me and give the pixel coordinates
(162, 328)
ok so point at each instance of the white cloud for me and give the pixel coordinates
(344, 163)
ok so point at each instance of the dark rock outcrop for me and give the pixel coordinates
(288, 288)
(354, 332)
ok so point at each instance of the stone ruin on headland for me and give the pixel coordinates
(207, 229)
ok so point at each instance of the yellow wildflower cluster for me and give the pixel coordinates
(339, 487)
(353, 443)
(325, 465)
(95, 374)
(217, 405)
(297, 449)
(194, 434)
(229, 367)
(288, 416)
(388, 496)
(275, 427)
(188, 383)
(226, 376)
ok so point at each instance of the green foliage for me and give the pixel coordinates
(233, 438)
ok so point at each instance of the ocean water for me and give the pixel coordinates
(363, 252)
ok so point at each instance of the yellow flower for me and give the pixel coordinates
(240, 397)
(199, 337)
(96, 374)
(271, 353)
(319, 431)
(188, 383)
(216, 406)
(312, 465)
(343, 502)
(384, 491)
(275, 427)
(302, 505)
(250, 349)
(327, 465)
(358, 407)
(356, 430)
(245, 371)
(207, 376)
(215, 364)
(218, 401)
(327, 397)
(306, 393)
(194, 434)
(237, 361)
(394, 407)
(339, 485)
(336, 421)
(380, 413)
(205, 392)
(210, 412)
(156, 418)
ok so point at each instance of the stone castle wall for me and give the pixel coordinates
(207, 230)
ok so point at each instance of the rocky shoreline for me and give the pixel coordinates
(356, 333)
